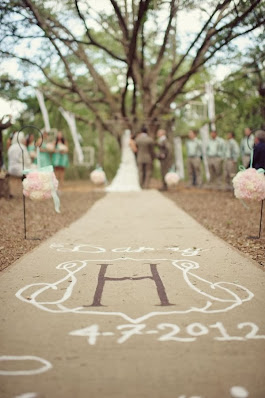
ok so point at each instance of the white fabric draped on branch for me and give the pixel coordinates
(43, 109)
(70, 119)
(179, 157)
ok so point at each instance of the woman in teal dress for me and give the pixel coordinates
(60, 159)
(32, 150)
(45, 151)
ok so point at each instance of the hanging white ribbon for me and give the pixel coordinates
(43, 109)
(70, 119)
(204, 132)
(211, 104)
(179, 157)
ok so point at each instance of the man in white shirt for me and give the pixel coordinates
(15, 163)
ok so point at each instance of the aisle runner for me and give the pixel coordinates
(133, 300)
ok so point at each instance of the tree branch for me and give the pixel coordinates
(92, 40)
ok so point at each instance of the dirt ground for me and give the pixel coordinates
(218, 211)
(226, 217)
(42, 221)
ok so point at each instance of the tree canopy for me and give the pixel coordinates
(124, 65)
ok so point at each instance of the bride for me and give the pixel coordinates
(126, 179)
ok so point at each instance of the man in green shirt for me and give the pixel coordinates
(246, 145)
(194, 156)
(215, 154)
(231, 157)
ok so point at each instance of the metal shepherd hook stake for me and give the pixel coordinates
(262, 202)
(23, 175)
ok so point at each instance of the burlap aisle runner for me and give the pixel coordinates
(135, 299)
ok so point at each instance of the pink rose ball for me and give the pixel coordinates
(39, 185)
(249, 185)
(32, 181)
(172, 179)
(26, 193)
(47, 195)
(98, 177)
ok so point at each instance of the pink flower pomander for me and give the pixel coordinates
(249, 184)
(171, 179)
(98, 176)
(39, 185)
(47, 195)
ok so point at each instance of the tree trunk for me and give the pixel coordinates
(101, 146)
(1, 149)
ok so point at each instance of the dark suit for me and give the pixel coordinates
(165, 156)
(145, 155)
(259, 156)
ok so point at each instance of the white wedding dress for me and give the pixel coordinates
(126, 179)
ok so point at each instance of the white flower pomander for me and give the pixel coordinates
(98, 177)
(33, 155)
(50, 147)
(172, 179)
(62, 147)
(249, 184)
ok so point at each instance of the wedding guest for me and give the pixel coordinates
(16, 164)
(15, 159)
(246, 145)
(231, 157)
(60, 159)
(45, 149)
(30, 144)
(9, 140)
(194, 156)
(259, 150)
(145, 156)
(215, 154)
(5, 123)
(165, 155)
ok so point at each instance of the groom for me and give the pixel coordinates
(165, 155)
(145, 156)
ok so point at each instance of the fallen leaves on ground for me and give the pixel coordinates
(225, 216)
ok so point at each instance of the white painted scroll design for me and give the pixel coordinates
(235, 294)
(45, 365)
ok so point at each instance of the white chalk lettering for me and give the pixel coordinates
(194, 331)
(95, 249)
(132, 330)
